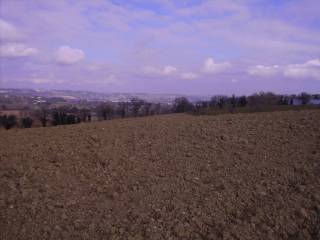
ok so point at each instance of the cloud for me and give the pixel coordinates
(16, 50)
(111, 79)
(11, 46)
(8, 32)
(68, 55)
(210, 66)
(174, 40)
(309, 69)
(313, 63)
(104, 79)
(164, 71)
(168, 70)
(40, 80)
(217, 7)
(264, 71)
(189, 76)
(95, 66)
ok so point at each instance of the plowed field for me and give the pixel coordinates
(241, 176)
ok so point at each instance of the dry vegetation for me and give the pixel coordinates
(241, 176)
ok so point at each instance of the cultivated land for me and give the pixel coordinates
(241, 176)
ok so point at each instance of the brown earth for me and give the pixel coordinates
(241, 176)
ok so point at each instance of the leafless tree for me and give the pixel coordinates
(85, 114)
(42, 114)
(105, 110)
(122, 109)
(136, 104)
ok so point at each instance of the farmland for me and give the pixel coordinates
(177, 176)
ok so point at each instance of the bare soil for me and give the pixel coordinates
(241, 176)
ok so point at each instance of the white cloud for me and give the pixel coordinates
(111, 79)
(164, 71)
(313, 62)
(216, 7)
(210, 66)
(8, 31)
(10, 47)
(95, 67)
(16, 50)
(40, 80)
(189, 76)
(68, 55)
(168, 70)
(309, 69)
(264, 71)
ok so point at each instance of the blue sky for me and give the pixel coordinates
(161, 46)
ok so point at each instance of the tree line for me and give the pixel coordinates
(136, 107)
(47, 115)
(257, 102)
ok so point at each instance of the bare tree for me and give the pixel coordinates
(85, 115)
(59, 116)
(233, 101)
(105, 110)
(156, 109)
(42, 114)
(122, 109)
(305, 98)
(147, 108)
(136, 104)
(263, 99)
(221, 102)
(242, 101)
(218, 101)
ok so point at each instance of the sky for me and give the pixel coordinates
(161, 46)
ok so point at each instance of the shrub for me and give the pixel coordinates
(182, 104)
(26, 122)
(8, 121)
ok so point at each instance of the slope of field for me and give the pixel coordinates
(241, 176)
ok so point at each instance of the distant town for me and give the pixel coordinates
(31, 96)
